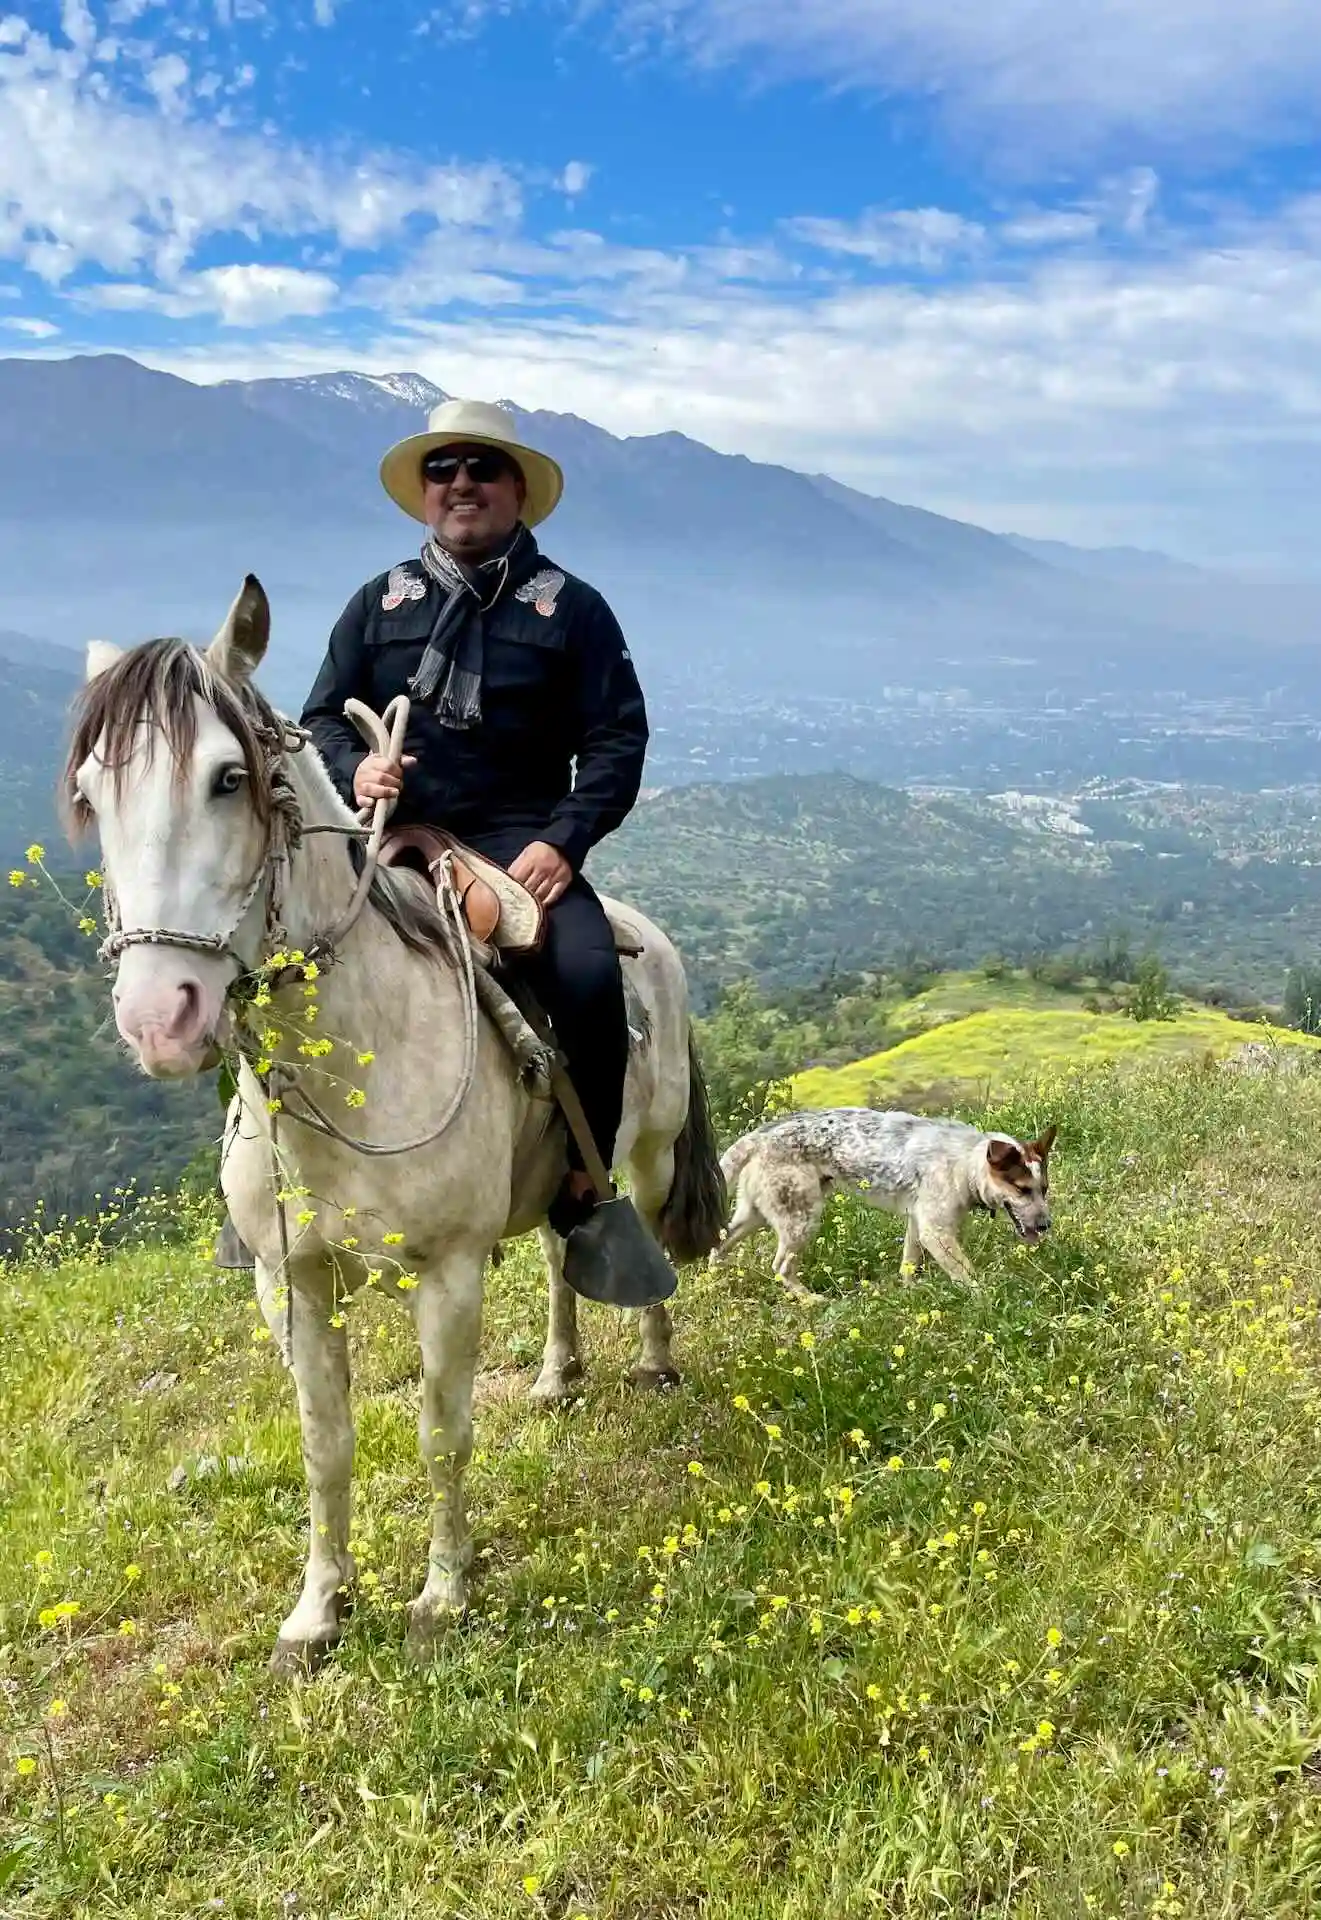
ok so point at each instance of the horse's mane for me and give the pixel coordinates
(159, 683)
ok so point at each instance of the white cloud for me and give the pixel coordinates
(238, 296)
(1167, 70)
(323, 12)
(34, 329)
(89, 175)
(917, 237)
(165, 80)
(1049, 228)
(461, 19)
(576, 178)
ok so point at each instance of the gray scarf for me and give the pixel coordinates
(450, 671)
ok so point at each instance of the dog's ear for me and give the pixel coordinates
(1039, 1149)
(1002, 1156)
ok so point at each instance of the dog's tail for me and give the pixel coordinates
(692, 1220)
(738, 1156)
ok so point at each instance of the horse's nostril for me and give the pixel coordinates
(190, 1001)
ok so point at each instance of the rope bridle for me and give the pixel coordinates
(280, 1084)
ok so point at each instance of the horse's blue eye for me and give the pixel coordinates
(228, 780)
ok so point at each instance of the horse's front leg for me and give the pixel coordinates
(561, 1366)
(321, 1377)
(447, 1311)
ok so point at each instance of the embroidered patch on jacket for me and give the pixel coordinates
(402, 585)
(542, 591)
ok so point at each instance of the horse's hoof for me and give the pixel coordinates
(300, 1659)
(558, 1386)
(427, 1627)
(654, 1379)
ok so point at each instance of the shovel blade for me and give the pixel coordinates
(613, 1260)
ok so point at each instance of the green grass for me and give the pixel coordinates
(956, 995)
(993, 1050)
(998, 1601)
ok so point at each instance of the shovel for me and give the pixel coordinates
(611, 1258)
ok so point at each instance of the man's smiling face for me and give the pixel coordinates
(473, 497)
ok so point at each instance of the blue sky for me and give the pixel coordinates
(1057, 269)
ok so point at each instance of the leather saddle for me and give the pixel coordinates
(499, 910)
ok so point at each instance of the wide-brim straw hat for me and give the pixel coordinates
(470, 423)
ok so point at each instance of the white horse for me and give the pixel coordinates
(208, 807)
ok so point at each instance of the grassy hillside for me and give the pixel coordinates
(994, 1052)
(938, 1603)
(954, 995)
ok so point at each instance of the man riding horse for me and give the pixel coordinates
(527, 731)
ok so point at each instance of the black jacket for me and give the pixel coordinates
(558, 687)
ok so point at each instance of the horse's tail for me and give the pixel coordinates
(692, 1221)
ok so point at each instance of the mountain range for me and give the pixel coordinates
(132, 502)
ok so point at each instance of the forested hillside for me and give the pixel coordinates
(76, 1118)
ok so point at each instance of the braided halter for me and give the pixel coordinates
(287, 831)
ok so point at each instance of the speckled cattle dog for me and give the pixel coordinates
(936, 1172)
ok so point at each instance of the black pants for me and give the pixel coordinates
(576, 977)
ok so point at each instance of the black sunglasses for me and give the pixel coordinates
(482, 466)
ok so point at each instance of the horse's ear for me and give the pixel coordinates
(101, 656)
(240, 646)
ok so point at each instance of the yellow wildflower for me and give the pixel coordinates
(92, 878)
(35, 854)
(17, 877)
(392, 1239)
(25, 1765)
